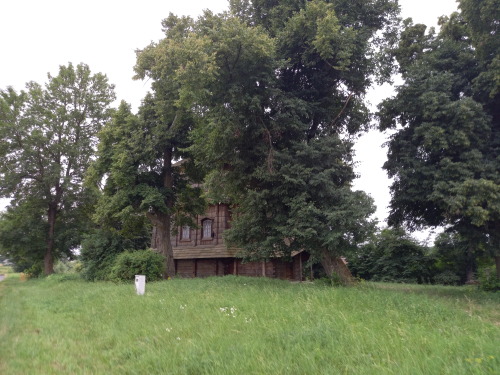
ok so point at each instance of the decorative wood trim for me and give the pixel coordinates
(300, 267)
(217, 225)
(196, 232)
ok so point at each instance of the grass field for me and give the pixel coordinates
(236, 325)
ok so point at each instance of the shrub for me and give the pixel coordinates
(392, 256)
(99, 252)
(447, 278)
(65, 266)
(34, 271)
(488, 280)
(140, 262)
(61, 277)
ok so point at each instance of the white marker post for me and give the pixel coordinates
(140, 284)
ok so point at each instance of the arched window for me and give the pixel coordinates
(206, 229)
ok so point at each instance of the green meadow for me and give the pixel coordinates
(237, 325)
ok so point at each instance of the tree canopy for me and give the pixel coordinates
(275, 92)
(48, 137)
(445, 154)
(136, 155)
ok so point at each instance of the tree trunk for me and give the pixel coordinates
(163, 243)
(48, 259)
(469, 267)
(160, 238)
(154, 238)
(336, 265)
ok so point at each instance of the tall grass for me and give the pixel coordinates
(237, 325)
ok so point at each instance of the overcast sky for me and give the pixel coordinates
(36, 36)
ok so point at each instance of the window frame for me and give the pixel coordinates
(207, 226)
(183, 233)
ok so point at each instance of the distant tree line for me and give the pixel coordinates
(392, 255)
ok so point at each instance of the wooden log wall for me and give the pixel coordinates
(220, 216)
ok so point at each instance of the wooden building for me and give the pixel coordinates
(202, 252)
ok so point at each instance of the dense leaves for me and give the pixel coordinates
(276, 92)
(136, 155)
(143, 262)
(100, 248)
(394, 256)
(47, 139)
(445, 155)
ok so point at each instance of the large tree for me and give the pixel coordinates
(138, 152)
(136, 157)
(47, 140)
(276, 91)
(445, 155)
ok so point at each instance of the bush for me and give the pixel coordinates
(141, 262)
(36, 270)
(61, 277)
(488, 280)
(99, 252)
(65, 266)
(392, 256)
(447, 278)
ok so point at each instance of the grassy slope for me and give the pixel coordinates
(187, 327)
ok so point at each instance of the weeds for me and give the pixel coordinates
(236, 325)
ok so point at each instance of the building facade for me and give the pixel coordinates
(202, 252)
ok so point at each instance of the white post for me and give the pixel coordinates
(140, 284)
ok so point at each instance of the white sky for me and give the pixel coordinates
(36, 36)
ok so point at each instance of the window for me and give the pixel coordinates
(186, 232)
(207, 229)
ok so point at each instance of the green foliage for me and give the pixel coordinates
(35, 270)
(23, 236)
(100, 249)
(47, 139)
(141, 262)
(450, 251)
(67, 267)
(333, 280)
(445, 155)
(63, 277)
(392, 255)
(488, 280)
(186, 326)
(447, 278)
(136, 154)
(275, 90)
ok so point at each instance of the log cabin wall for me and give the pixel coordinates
(275, 268)
(204, 267)
(218, 216)
(202, 253)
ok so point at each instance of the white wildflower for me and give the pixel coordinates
(228, 311)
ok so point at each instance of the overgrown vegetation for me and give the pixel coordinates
(263, 103)
(131, 263)
(392, 255)
(245, 325)
(101, 247)
(444, 155)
